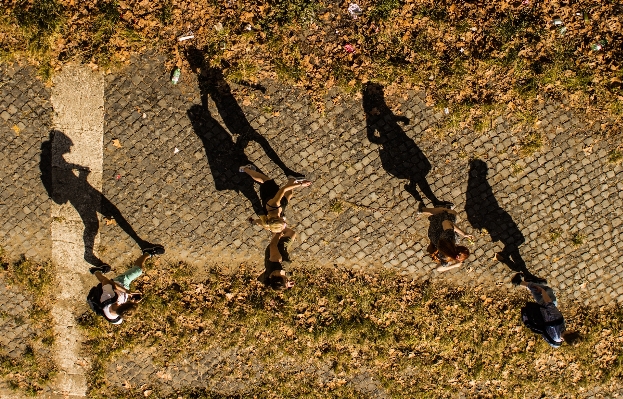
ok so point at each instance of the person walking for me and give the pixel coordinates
(274, 199)
(543, 317)
(112, 298)
(444, 235)
(276, 254)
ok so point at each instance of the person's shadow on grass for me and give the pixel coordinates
(66, 182)
(399, 154)
(484, 212)
(225, 155)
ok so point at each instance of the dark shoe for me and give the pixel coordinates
(103, 269)
(153, 251)
(420, 207)
(517, 279)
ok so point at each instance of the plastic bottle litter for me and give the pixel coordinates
(354, 10)
(557, 22)
(177, 72)
(187, 36)
(599, 45)
(349, 48)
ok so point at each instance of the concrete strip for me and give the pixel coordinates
(77, 157)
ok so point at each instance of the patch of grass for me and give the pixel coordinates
(336, 206)
(244, 71)
(516, 169)
(288, 71)
(165, 13)
(578, 239)
(531, 143)
(526, 117)
(408, 336)
(34, 368)
(615, 156)
(40, 20)
(382, 9)
(554, 235)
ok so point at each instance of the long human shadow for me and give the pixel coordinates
(484, 212)
(400, 156)
(225, 155)
(64, 185)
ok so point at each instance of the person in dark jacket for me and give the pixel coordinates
(548, 322)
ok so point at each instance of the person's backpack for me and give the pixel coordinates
(94, 301)
(533, 319)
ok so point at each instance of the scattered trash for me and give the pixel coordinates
(187, 36)
(144, 115)
(349, 48)
(222, 45)
(474, 29)
(558, 24)
(462, 50)
(354, 10)
(118, 177)
(431, 77)
(248, 27)
(175, 77)
(525, 2)
(599, 45)
(218, 27)
(116, 143)
(446, 110)
(176, 150)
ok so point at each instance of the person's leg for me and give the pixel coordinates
(133, 273)
(433, 211)
(255, 175)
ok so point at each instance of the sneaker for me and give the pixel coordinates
(298, 179)
(153, 251)
(517, 279)
(420, 206)
(447, 204)
(249, 166)
(102, 269)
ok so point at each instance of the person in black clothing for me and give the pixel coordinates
(276, 254)
(543, 317)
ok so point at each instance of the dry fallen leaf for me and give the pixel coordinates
(116, 143)
(16, 129)
(110, 222)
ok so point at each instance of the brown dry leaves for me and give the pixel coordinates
(410, 336)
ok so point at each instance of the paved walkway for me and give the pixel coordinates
(170, 176)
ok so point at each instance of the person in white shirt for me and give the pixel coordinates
(116, 299)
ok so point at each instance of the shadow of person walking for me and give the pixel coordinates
(67, 182)
(484, 212)
(224, 155)
(400, 156)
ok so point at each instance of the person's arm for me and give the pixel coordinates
(446, 268)
(273, 248)
(544, 294)
(276, 200)
(462, 233)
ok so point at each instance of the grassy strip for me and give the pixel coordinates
(35, 368)
(417, 339)
(465, 55)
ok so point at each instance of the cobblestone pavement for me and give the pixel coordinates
(231, 372)
(25, 120)
(170, 168)
(197, 205)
